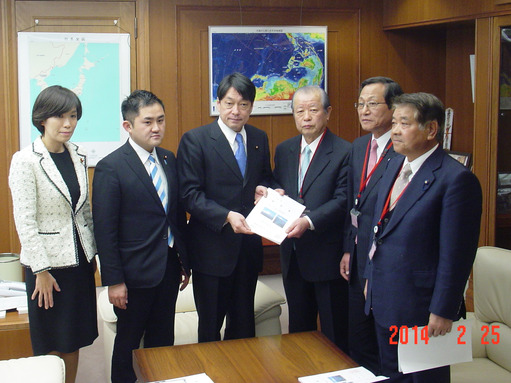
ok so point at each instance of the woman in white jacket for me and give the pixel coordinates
(49, 186)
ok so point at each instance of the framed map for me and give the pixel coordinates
(278, 60)
(96, 66)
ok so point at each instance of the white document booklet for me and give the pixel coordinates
(273, 214)
(350, 375)
(414, 354)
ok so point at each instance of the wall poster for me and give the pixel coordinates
(96, 66)
(278, 60)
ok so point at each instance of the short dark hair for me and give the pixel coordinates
(427, 108)
(53, 102)
(131, 105)
(392, 88)
(325, 100)
(240, 83)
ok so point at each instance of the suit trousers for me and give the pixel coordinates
(230, 297)
(389, 364)
(362, 333)
(150, 313)
(307, 299)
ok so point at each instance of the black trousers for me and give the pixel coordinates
(362, 337)
(230, 298)
(150, 313)
(307, 299)
(389, 365)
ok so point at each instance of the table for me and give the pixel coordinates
(14, 336)
(279, 358)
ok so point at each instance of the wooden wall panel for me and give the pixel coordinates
(406, 13)
(189, 37)
(460, 44)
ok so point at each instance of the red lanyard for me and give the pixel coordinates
(365, 180)
(386, 207)
(310, 162)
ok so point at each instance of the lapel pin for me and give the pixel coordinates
(165, 159)
(257, 147)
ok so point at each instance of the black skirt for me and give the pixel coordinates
(72, 321)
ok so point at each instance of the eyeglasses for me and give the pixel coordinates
(369, 104)
(244, 105)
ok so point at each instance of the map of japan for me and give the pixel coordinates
(278, 63)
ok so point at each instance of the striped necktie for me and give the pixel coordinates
(158, 185)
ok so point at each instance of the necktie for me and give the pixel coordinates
(373, 155)
(304, 165)
(401, 182)
(158, 185)
(240, 155)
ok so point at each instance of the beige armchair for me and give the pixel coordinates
(35, 369)
(492, 307)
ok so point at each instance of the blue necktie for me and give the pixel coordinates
(158, 185)
(240, 155)
(304, 165)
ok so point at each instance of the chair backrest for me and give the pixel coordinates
(492, 302)
(492, 285)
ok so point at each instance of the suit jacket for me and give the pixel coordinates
(211, 185)
(426, 247)
(43, 213)
(365, 206)
(130, 223)
(324, 190)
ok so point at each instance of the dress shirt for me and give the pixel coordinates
(382, 143)
(417, 163)
(231, 135)
(144, 157)
(313, 146)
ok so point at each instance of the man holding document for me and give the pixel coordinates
(426, 229)
(312, 168)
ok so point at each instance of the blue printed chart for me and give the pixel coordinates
(278, 60)
(96, 66)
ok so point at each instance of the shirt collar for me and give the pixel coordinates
(142, 153)
(313, 145)
(231, 134)
(382, 142)
(416, 164)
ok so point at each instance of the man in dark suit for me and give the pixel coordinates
(426, 229)
(220, 165)
(368, 160)
(312, 168)
(138, 225)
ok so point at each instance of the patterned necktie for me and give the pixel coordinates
(400, 184)
(158, 185)
(304, 165)
(373, 155)
(240, 155)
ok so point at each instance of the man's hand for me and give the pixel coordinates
(118, 295)
(438, 325)
(238, 223)
(298, 227)
(260, 192)
(185, 278)
(44, 285)
(345, 266)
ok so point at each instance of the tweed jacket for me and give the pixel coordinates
(43, 212)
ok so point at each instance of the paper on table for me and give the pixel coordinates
(272, 215)
(454, 347)
(350, 375)
(198, 378)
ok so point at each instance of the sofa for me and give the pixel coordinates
(492, 307)
(267, 312)
(35, 369)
